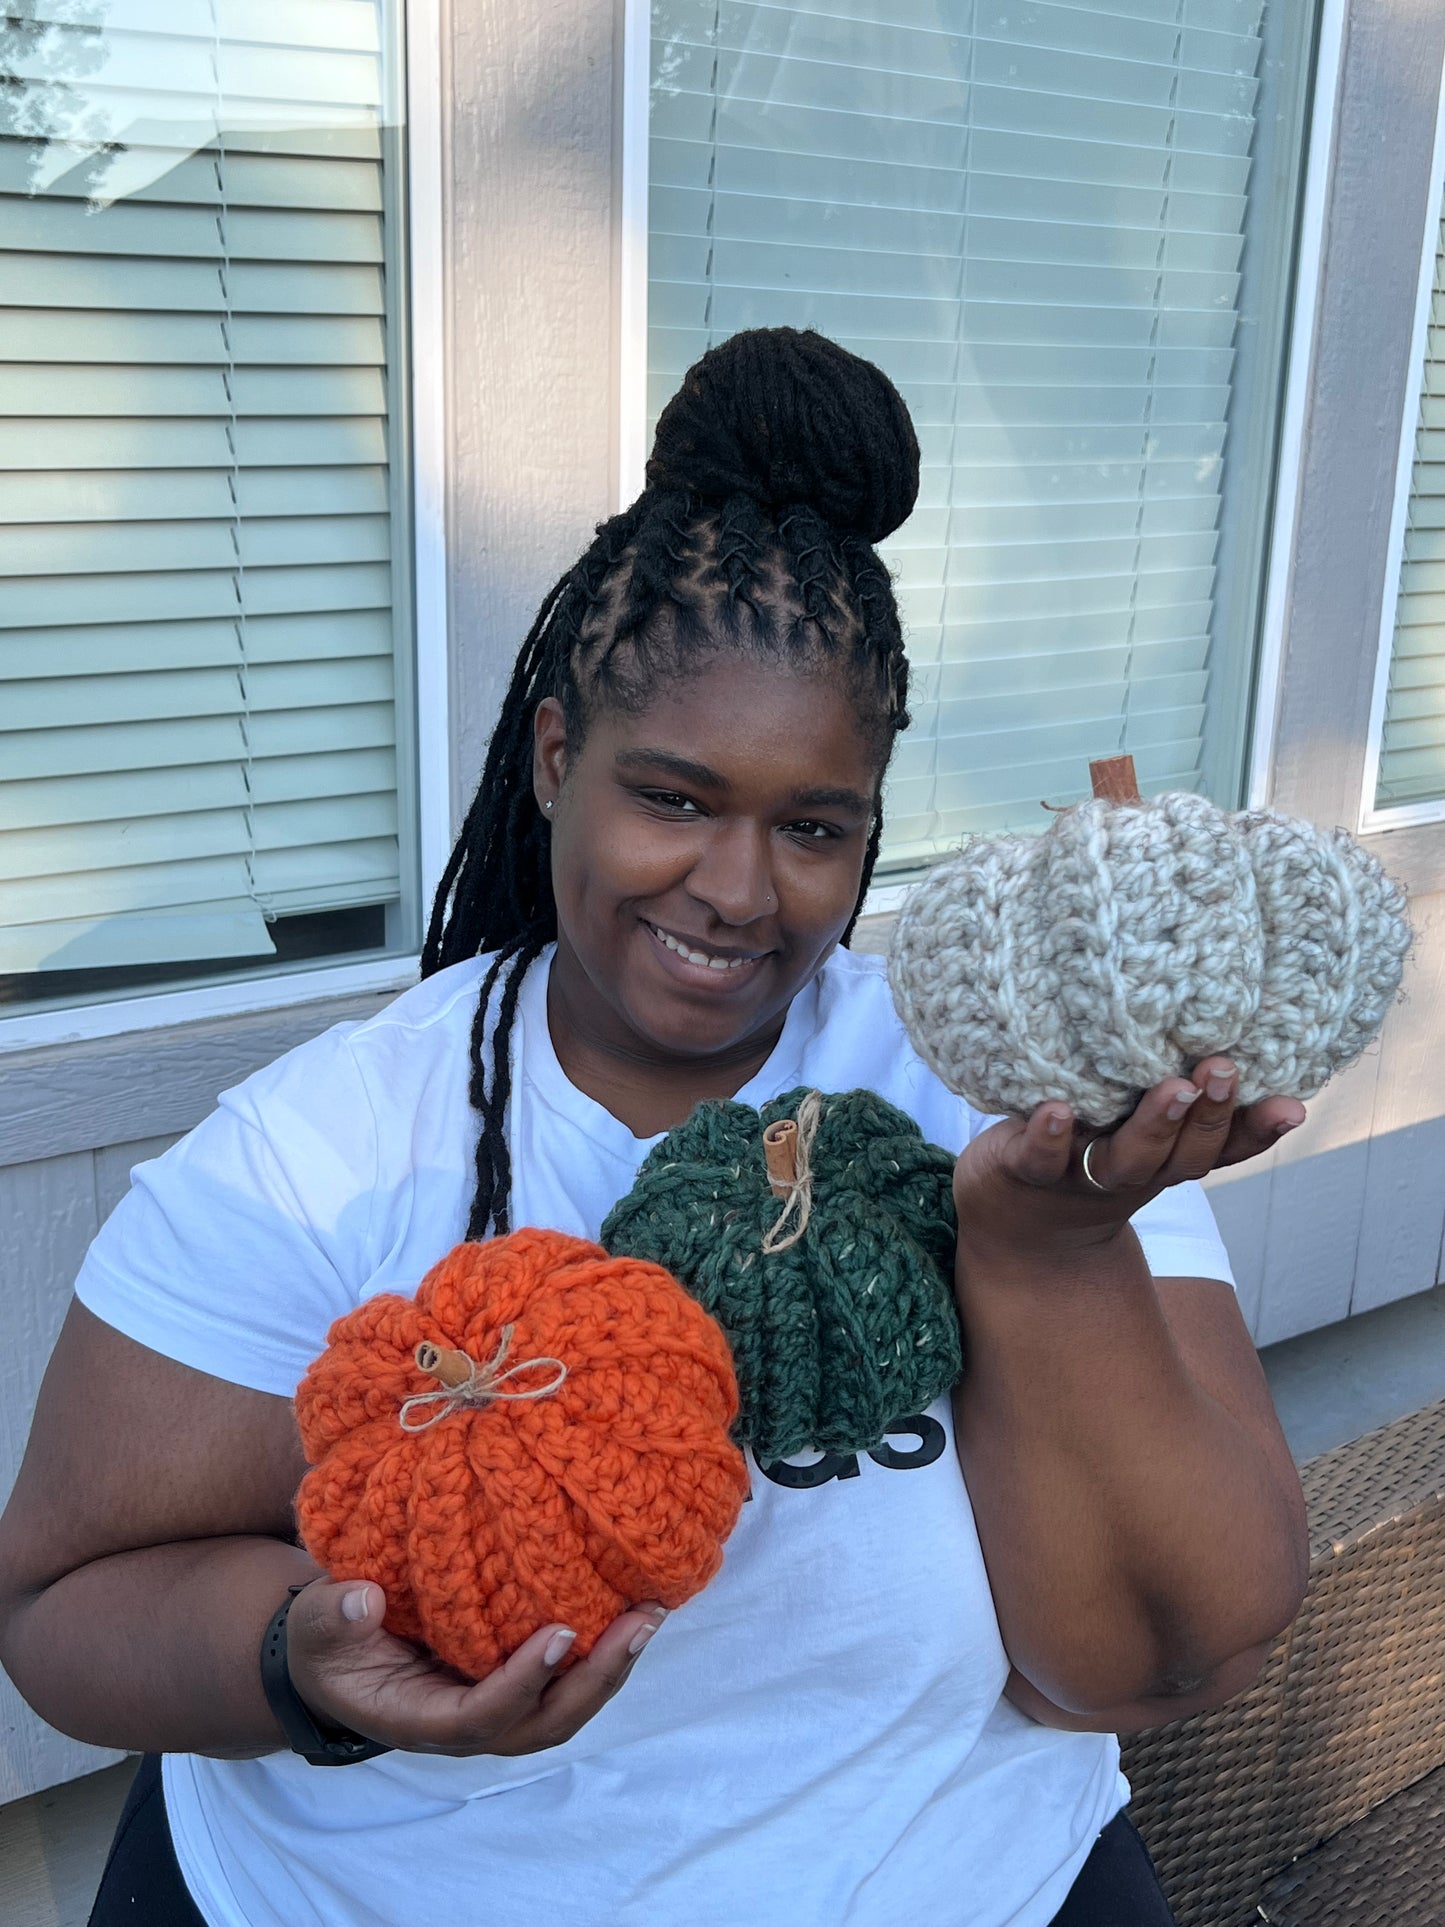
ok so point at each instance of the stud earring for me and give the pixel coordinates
(547, 806)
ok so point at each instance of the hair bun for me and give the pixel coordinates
(787, 417)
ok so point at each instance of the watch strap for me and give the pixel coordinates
(317, 1744)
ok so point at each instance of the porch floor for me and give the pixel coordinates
(53, 1847)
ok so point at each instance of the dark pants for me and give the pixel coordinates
(1117, 1885)
(142, 1885)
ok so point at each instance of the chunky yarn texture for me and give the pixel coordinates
(618, 1485)
(1132, 939)
(848, 1328)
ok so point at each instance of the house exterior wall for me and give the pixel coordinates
(1343, 1218)
(1349, 1213)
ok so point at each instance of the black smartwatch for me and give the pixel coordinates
(317, 1744)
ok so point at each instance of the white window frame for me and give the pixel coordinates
(1299, 363)
(151, 1011)
(632, 187)
(1401, 816)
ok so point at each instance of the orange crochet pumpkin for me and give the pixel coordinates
(540, 1435)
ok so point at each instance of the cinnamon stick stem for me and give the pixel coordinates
(451, 1368)
(1114, 779)
(780, 1149)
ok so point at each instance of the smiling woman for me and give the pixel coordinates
(732, 632)
(898, 1698)
(689, 918)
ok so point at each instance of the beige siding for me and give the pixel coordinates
(1402, 1226)
(1349, 1213)
(50, 1209)
(533, 354)
(47, 1218)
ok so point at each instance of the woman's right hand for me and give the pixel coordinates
(349, 1670)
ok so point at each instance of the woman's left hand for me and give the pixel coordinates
(1137, 1505)
(1022, 1181)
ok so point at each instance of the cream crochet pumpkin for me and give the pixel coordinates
(1131, 939)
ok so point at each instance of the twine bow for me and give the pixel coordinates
(465, 1383)
(788, 1148)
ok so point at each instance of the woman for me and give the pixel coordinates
(897, 1700)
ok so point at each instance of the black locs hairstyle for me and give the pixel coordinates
(777, 465)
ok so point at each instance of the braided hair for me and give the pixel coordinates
(779, 463)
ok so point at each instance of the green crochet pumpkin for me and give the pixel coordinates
(835, 1333)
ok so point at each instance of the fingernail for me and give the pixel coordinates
(557, 1646)
(1220, 1084)
(354, 1604)
(1179, 1104)
(1281, 1130)
(644, 1633)
(1056, 1123)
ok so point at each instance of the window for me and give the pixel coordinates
(1066, 231)
(1405, 769)
(205, 666)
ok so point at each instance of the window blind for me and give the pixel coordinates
(197, 718)
(1031, 215)
(1412, 750)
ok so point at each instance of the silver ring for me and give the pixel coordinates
(1089, 1177)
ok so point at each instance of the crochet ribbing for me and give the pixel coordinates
(850, 1327)
(619, 1485)
(1131, 940)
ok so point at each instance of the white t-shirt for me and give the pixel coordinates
(817, 1740)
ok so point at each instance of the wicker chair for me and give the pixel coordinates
(1317, 1799)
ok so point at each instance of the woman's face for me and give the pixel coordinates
(706, 856)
